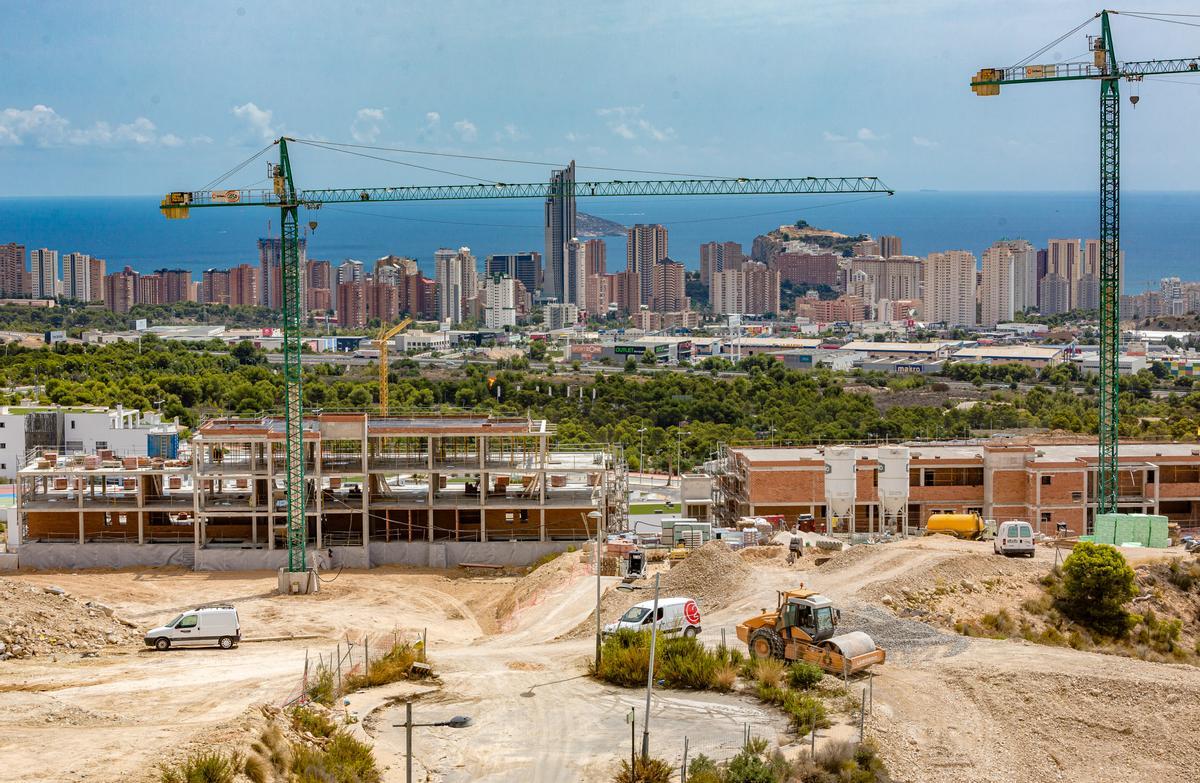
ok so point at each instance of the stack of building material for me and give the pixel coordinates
(1149, 530)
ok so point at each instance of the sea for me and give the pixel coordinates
(1160, 230)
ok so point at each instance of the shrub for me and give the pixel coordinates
(321, 686)
(684, 663)
(680, 662)
(1159, 635)
(624, 659)
(768, 671)
(725, 677)
(702, 769)
(344, 760)
(1096, 584)
(206, 767)
(644, 770)
(752, 765)
(258, 769)
(1183, 576)
(394, 666)
(312, 722)
(804, 675)
(804, 712)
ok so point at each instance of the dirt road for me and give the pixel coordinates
(946, 708)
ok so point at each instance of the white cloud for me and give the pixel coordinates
(42, 126)
(367, 125)
(466, 130)
(866, 134)
(627, 122)
(834, 137)
(622, 130)
(921, 141)
(201, 140)
(257, 120)
(510, 132)
(432, 118)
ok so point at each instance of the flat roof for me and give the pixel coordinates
(874, 347)
(1011, 352)
(1129, 452)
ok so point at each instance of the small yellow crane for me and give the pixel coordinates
(385, 336)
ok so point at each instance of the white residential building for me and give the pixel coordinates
(996, 298)
(76, 282)
(949, 291)
(75, 430)
(457, 281)
(499, 299)
(561, 316)
(43, 273)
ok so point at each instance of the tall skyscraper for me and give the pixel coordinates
(1025, 277)
(447, 271)
(560, 229)
(1054, 295)
(645, 246)
(270, 254)
(75, 268)
(176, 285)
(999, 284)
(96, 270)
(1062, 259)
(352, 304)
(13, 275)
(576, 265)
(320, 286)
(120, 290)
(889, 246)
(748, 289)
(525, 266)
(667, 293)
(498, 298)
(43, 273)
(597, 256)
(949, 295)
(717, 257)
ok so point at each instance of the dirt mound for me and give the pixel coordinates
(714, 575)
(37, 621)
(531, 588)
(758, 553)
(847, 557)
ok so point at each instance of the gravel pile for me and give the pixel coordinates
(848, 557)
(901, 636)
(39, 621)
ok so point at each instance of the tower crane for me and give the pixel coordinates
(385, 336)
(1108, 71)
(285, 197)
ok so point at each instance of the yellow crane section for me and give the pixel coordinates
(385, 336)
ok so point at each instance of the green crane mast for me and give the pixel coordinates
(1105, 69)
(284, 197)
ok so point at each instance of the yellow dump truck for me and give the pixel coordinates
(802, 629)
(969, 527)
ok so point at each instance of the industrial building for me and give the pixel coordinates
(420, 490)
(873, 487)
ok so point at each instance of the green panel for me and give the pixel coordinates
(1104, 529)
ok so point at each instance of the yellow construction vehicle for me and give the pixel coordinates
(802, 629)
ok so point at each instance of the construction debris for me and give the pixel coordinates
(40, 621)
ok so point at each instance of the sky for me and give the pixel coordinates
(125, 98)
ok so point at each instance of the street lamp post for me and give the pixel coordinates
(457, 722)
(642, 452)
(650, 673)
(679, 433)
(597, 517)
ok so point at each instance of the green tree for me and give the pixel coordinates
(631, 365)
(246, 353)
(1096, 585)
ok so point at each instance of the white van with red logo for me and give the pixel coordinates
(675, 615)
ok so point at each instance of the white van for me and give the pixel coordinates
(675, 615)
(212, 626)
(1014, 537)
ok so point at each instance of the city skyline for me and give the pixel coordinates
(136, 132)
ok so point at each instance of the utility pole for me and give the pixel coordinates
(642, 451)
(650, 673)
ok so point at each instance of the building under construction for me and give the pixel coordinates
(421, 490)
(878, 487)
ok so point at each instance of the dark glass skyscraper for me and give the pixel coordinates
(560, 229)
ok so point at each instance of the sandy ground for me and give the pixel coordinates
(946, 708)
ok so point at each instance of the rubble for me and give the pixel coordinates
(42, 621)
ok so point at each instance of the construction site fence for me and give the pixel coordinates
(333, 672)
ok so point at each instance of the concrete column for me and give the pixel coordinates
(79, 503)
(196, 483)
(367, 488)
(270, 453)
(483, 524)
(541, 524)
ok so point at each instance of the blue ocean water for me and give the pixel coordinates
(1160, 231)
